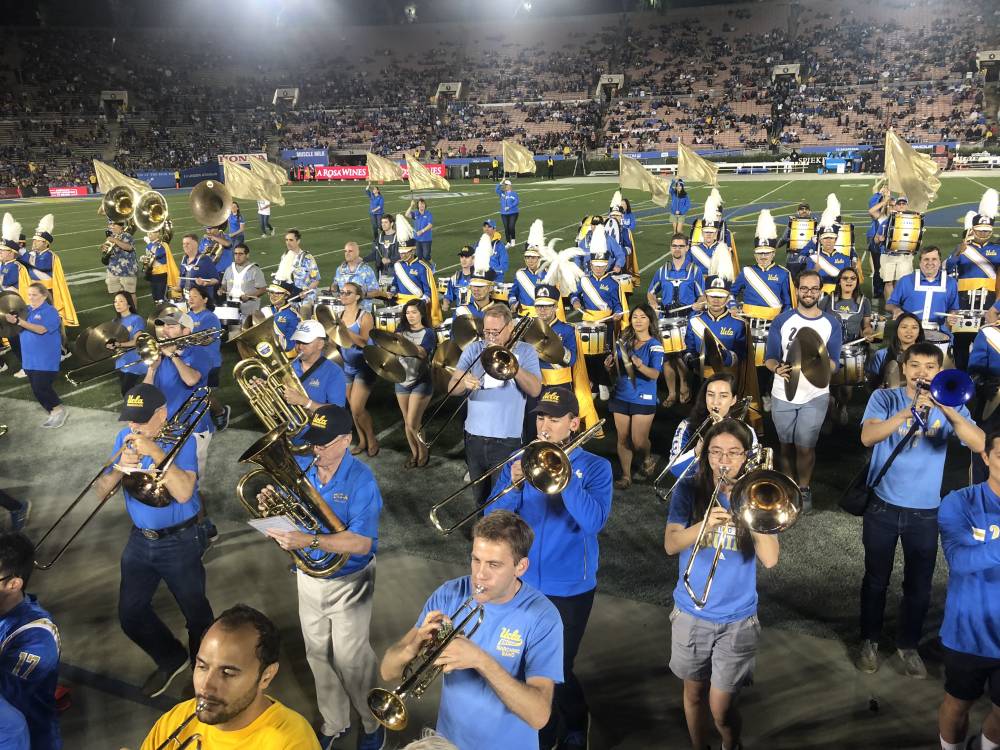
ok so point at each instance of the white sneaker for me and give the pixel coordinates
(20, 374)
(65, 355)
(58, 418)
(605, 394)
(767, 403)
(3, 367)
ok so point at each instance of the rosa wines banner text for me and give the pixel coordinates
(361, 172)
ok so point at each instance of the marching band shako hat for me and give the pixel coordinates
(804, 205)
(557, 402)
(546, 294)
(141, 402)
(10, 232)
(404, 233)
(276, 288)
(712, 218)
(536, 238)
(482, 274)
(44, 229)
(766, 237)
(327, 424)
(718, 288)
(466, 251)
(617, 203)
(829, 225)
(599, 245)
(987, 213)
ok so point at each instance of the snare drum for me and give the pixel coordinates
(328, 298)
(443, 331)
(387, 318)
(939, 338)
(625, 282)
(501, 292)
(904, 232)
(672, 333)
(335, 307)
(969, 321)
(759, 329)
(878, 326)
(228, 313)
(852, 365)
(594, 338)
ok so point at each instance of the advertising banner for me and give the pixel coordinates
(193, 175)
(241, 158)
(360, 172)
(302, 156)
(157, 180)
(9, 193)
(69, 191)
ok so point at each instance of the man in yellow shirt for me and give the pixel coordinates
(236, 662)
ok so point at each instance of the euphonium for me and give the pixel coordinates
(292, 496)
(389, 707)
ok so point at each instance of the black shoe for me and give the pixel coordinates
(20, 516)
(222, 420)
(158, 682)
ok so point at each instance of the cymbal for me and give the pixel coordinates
(446, 355)
(466, 329)
(808, 358)
(384, 363)
(332, 352)
(395, 343)
(545, 341)
(10, 302)
(336, 329)
(80, 345)
(95, 345)
(306, 311)
(713, 351)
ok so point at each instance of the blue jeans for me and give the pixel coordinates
(424, 251)
(482, 454)
(265, 223)
(885, 525)
(376, 226)
(175, 560)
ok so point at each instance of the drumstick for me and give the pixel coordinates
(856, 341)
(678, 309)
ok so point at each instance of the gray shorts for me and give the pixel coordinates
(724, 653)
(119, 283)
(799, 424)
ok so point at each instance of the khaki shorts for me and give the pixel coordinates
(725, 653)
(894, 267)
(120, 283)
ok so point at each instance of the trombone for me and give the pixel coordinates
(388, 706)
(498, 361)
(545, 467)
(145, 486)
(194, 741)
(763, 500)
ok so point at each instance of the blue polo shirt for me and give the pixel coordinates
(928, 299)
(497, 410)
(206, 320)
(176, 391)
(644, 390)
(13, 729)
(326, 384)
(421, 220)
(146, 516)
(525, 637)
(914, 479)
(40, 351)
(678, 287)
(353, 495)
(129, 361)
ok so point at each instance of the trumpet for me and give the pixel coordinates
(146, 486)
(194, 741)
(545, 467)
(388, 706)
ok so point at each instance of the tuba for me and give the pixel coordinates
(292, 496)
(151, 212)
(119, 203)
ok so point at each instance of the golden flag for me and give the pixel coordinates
(422, 179)
(517, 159)
(910, 173)
(243, 183)
(109, 177)
(268, 171)
(383, 170)
(690, 166)
(633, 176)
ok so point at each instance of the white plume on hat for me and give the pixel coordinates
(562, 271)
(713, 206)
(970, 218)
(988, 206)
(536, 234)
(11, 229)
(830, 213)
(481, 256)
(45, 224)
(616, 200)
(599, 244)
(404, 232)
(766, 228)
(721, 264)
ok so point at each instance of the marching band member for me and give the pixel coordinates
(585, 240)
(356, 270)
(896, 265)
(795, 260)
(286, 320)
(616, 229)
(359, 375)
(716, 317)
(974, 265)
(929, 292)
(878, 207)
(413, 277)
(905, 505)
(161, 269)
(969, 633)
(423, 228)
(498, 683)
(798, 420)
(243, 281)
(131, 369)
(40, 341)
(322, 379)
(499, 261)
(236, 226)
(236, 663)
(680, 204)
(13, 277)
(713, 648)
(385, 249)
(197, 269)
(119, 257)
(495, 414)
(164, 543)
(572, 521)
(46, 267)
(29, 657)
(376, 207)
(458, 291)
(854, 310)
(480, 284)
(298, 267)
(712, 255)
(414, 393)
(221, 258)
(200, 310)
(679, 282)
(522, 296)
(510, 207)
(907, 332)
(335, 612)
(984, 367)
(828, 260)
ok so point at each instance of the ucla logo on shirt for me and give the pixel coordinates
(772, 277)
(726, 331)
(725, 537)
(980, 534)
(339, 497)
(604, 287)
(510, 643)
(314, 382)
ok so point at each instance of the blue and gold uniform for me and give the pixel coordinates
(523, 292)
(678, 287)
(765, 291)
(731, 331)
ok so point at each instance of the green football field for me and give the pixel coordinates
(329, 215)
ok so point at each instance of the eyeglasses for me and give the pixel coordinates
(733, 455)
(809, 288)
(492, 334)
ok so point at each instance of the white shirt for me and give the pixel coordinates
(264, 208)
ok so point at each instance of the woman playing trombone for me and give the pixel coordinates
(713, 648)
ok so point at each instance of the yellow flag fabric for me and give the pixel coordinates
(383, 170)
(633, 176)
(269, 171)
(910, 173)
(61, 298)
(422, 179)
(109, 177)
(690, 166)
(173, 272)
(243, 183)
(516, 158)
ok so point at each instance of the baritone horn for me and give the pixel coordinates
(389, 706)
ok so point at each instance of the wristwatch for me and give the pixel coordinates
(314, 544)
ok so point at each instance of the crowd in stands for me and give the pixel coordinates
(701, 75)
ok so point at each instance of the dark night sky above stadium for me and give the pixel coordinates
(287, 13)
